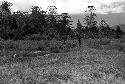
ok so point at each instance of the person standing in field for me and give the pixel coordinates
(79, 40)
(79, 31)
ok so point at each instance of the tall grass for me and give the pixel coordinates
(69, 68)
(106, 44)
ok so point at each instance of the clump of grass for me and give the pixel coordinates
(107, 44)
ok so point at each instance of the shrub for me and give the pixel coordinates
(54, 49)
(71, 43)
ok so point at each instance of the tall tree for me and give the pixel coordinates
(5, 12)
(119, 32)
(37, 19)
(51, 22)
(64, 26)
(90, 17)
(90, 22)
(6, 20)
(5, 7)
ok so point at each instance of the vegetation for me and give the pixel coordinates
(20, 25)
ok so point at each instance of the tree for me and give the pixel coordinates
(5, 7)
(5, 12)
(51, 22)
(90, 17)
(119, 32)
(64, 26)
(6, 21)
(30, 23)
(104, 28)
(37, 19)
(79, 27)
(90, 22)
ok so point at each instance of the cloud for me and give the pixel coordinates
(112, 7)
(102, 6)
(72, 6)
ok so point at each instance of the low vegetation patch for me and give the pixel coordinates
(106, 44)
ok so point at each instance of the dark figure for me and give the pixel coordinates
(79, 40)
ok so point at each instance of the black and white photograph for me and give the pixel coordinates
(62, 41)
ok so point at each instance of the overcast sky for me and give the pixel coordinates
(72, 6)
(113, 11)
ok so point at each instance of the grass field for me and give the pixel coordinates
(97, 61)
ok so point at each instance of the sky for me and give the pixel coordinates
(72, 6)
(113, 11)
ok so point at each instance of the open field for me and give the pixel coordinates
(50, 62)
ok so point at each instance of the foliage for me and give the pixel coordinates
(18, 25)
(90, 17)
(79, 28)
(105, 30)
(63, 26)
(119, 32)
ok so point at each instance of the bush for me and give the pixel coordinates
(54, 49)
(71, 43)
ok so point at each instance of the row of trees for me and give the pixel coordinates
(93, 30)
(18, 25)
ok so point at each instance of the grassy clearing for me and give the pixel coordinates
(64, 68)
(53, 64)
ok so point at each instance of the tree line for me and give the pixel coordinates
(92, 29)
(18, 25)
